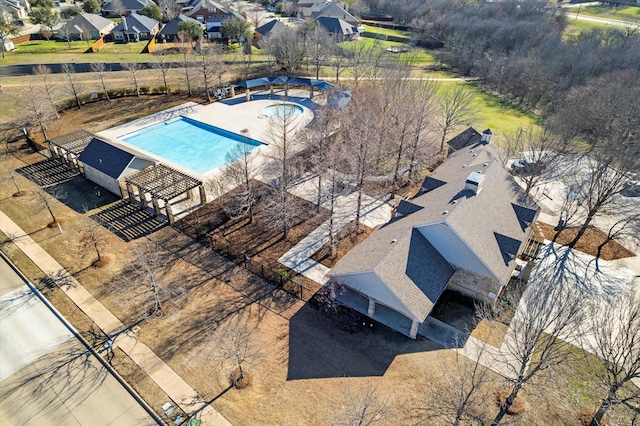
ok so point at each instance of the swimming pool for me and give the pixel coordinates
(189, 143)
(282, 110)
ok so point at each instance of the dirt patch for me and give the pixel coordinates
(588, 243)
(346, 240)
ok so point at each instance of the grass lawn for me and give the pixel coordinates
(576, 27)
(611, 11)
(387, 31)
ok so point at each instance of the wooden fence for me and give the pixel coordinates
(149, 47)
(96, 45)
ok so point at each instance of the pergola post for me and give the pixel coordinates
(414, 329)
(167, 206)
(233, 91)
(271, 90)
(248, 94)
(286, 90)
(129, 191)
(143, 198)
(310, 92)
(203, 195)
(371, 311)
(156, 206)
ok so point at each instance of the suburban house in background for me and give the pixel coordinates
(338, 29)
(117, 8)
(86, 26)
(107, 165)
(170, 31)
(214, 24)
(11, 8)
(271, 27)
(462, 232)
(202, 10)
(135, 28)
(331, 10)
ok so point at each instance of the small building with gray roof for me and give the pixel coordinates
(462, 233)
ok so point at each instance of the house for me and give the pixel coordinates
(116, 8)
(462, 233)
(86, 26)
(271, 27)
(202, 10)
(298, 8)
(135, 28)
(14, 8)
(338, 29)
(214, 24)
(333, 10)
(107, 164)
(170, 31)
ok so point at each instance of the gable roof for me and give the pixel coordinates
(136, 23)
(224, 17)
(467, 138)
(89, 22)
(271, 27)
(487, 223)
(106, 158)
(206, 4)
(334, 10)
(125, 5)
(172, 26)
(336, 26)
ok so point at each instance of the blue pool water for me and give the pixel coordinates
(282, 110)
(189, 143)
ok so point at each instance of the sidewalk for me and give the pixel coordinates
(167, 379)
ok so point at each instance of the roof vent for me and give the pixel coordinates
(445, 212)
(464, 165)
(485, 164)
(474, 182)
(393, 241)
(474, 155)
(486, 136)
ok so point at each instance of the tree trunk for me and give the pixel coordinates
(596, 420)
(508, 403)
(582, 230)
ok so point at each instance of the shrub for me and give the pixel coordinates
(518, 406)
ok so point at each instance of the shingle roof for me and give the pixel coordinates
(334, 10)
(135, 22)
(271, 27)
(466, 138)
(336, 26)
(125, 5)
(487, 223)
(89, 22)
(172, 26)
(106, 158)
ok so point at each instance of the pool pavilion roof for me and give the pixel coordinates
(74, 142)
(163, 182)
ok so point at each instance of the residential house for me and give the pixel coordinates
(107, 165)
(170, 31)
(86, 26)
(135, 28)
(297, 7)
(202, 10)
(271, 27)
(14, 8)
(338, 29)
(333, 10)
(214, 24)
(462, 233)
(116, 8)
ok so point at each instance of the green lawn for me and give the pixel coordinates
(387, 31)
(611, 11)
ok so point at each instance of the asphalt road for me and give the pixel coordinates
(47, 376)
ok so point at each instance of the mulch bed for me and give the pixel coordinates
(346, 240)
(588, 243)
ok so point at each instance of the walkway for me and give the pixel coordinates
(374, 212)
(167, 379)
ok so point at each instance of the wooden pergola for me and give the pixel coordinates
(162, 183)
(69, 146)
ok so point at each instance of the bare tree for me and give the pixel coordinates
(220, 67)
(319, 47)
(238, 173)
(362, 407)
(206, 69)
(94, 235)
(170, 8)
(44, 72)
(46, 197)
(237, 342)
(163, 66)
(133, 68)
(187, 63)
(287, 47)
(339, 60)
(454, 109)
(74, 87)
(615, 339)
(12, 174)
(318, 134)
(37, 110)
(101, 69)
(459, 397)
(626, 228)
(256, 16)
(422, 148)
(546, 324)
(280, 209)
